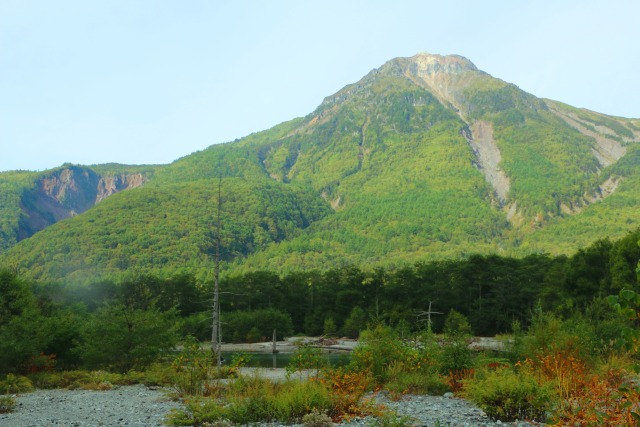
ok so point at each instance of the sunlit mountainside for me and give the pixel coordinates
(424, 158)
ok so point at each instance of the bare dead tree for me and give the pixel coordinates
(428, 313)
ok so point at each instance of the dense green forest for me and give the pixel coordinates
(96, 325)
(12, 186)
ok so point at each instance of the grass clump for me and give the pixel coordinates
(7, 404)
(317, 419)
(15, 384)
(416, 375)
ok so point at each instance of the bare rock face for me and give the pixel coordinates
(488, 158)
(109, 185)
(425, 64)
(68, 192)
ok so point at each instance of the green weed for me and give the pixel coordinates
(7, 404)
(15, 384)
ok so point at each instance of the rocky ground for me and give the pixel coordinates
(141, 406)
(124, 406)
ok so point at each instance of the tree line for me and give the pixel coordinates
(127, 324)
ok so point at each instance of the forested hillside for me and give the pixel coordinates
(495, 293)
(32, 201)
(426, 158)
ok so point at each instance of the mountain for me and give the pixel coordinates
(425, 157)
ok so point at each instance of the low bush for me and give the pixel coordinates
(7, 404)
(379, 348)
(347, 388)
(429, 382)
(191, 366)
(455, 356)
(317, 419)
(506, 395)
(15, 384)
(298, 398)
(607, 400)
(199, 411)
(306, 357)
(47, 380)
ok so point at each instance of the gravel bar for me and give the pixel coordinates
(141, 406)
(123, 406)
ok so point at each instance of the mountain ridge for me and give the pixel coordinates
(424, 157)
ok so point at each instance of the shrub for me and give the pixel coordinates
(379, 348)
(307, 357)
(294, 401)
(191, 366)
(508, 396)
(347, 388)
(455, 357)
(7, 404)
(604, 401)
(101, 380)
(431, 383)
(65, 379)
(198, 412)
(46, 380)
(317, 419)
(15, 384)
(41, 362)
(158, 374)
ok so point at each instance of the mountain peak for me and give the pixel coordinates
(443, 75)
(427, 64)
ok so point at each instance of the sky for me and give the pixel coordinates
(150, 81)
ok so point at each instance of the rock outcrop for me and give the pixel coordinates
(67, 192)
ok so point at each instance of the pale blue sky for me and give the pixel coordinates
(98, 81)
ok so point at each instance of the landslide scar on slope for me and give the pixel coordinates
(488, 158)
(606, 150)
